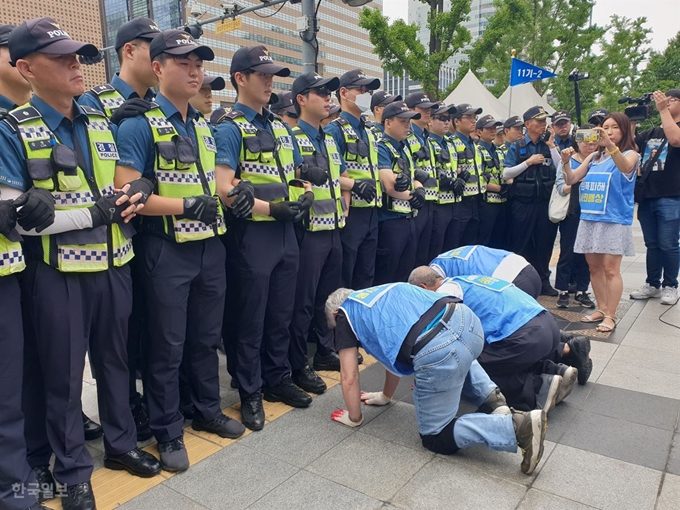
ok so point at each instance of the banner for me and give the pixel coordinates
(524, 72)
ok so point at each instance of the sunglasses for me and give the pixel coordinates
(443, 118)
(321, 91)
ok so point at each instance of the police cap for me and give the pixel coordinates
(178, 43)
(535, 113)
(256, 58)
(356, 78)
(138, 28)
(382, 98)
(420, 100)
(515, 121)
(5, 30)
(215, 82)
(399, 109)
(308, 81)
(487, 121)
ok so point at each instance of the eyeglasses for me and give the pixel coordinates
(321, 91)
(469, 117)
(361, 90)
(443, 118)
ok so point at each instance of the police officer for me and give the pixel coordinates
(490, 207)
(357, 145)
(561, 124)
(470, 169)
(529, 162)
(172, 147)
(284, 108)
(333, 113)
(202, 101)
(513, 129)
(424, 172)
(499, 141)
(596, 117)
(403, 196)
(319, 232)
(77, 267)
(379, 100)
(262, 251)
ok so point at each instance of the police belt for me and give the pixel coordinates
(410, 348)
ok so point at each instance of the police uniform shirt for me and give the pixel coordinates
(334, 130)
(467, 141)
(512, 156)
(317, 136)
(229, 140)
(89, 98)
(135, 140)
(491, 148)
(563, 144)
(13, 170)
(6, 104)
(385, 162)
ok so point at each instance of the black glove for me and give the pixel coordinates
(130, 108)
(284, 211)
(143, 186)
(458, 187)
(245, 198)
(105, 211)
(487, 176)
(202, 208)
(314, 174)
(465, 175)
(505, 190)
(402, 183)
(37, 209)
(8, 216)
(421, 175)
(417, 198)
(446, 183)
(365, 189)
(305, 201)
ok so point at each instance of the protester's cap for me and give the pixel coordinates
(307, 81)
(560, 115)
(515, 121)
(178, 42)
(673, 93)
(256, 58)
(442, 109)
(284, 103)
(399, 109)
(600, 114)
(382, 98)
(487, 121)
(535, 113)
(46, 36)
(215, 82)
(5, 30)
(357, 78)
(420, 100)
(139, 28)
(466, 109)
(334, 109)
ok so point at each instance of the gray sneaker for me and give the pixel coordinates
(495, 403)
(545, 398)
(646, 292)
(174, 456)
(530, 429)
(669, 295)
(569, 375)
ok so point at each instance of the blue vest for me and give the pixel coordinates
(606, 195)
(501, 307)
(382, 316)
(473, 259)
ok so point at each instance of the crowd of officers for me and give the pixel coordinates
(244, 225)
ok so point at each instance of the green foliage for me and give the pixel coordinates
(663, 70)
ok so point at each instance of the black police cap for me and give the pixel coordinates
(466, 109)
(382, 98)
(307, 81)
(5, 30)
(560, 115)
(442, 108)
(597, 116)
(215, 82)
(357, 78)
(515, 121)
(178, 43)
(138, 28)
(399, 109)
(256, 58)
(487, 121)
(284, 103)
(420, 100)
(535, 113)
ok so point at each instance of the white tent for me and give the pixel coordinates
(470, 90)
(523, 97)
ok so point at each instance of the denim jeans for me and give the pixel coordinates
(441, 370)
(660, 222)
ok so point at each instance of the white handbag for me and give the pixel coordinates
(558, 207)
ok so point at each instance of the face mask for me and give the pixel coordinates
(363, 102)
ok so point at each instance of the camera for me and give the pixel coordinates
(586, 135)
(642, 108)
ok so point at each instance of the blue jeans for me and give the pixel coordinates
(441, 370)
(660, 222)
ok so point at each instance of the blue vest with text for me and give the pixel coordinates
(473, 259)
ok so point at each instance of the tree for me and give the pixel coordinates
(663, 70)
(398, 46)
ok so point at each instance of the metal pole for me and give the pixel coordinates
(577, 102)
(510, 102)
(308, 36)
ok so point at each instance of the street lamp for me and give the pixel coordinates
(576, 77)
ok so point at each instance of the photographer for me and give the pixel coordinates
(659, 200)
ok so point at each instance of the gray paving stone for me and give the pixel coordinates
(398, 424)
(560, 420)
(647, 359)
(669, 499)
(305, 490)
(298, 437)
(445, 485)
(674, 459)
(633, 378)
(633, 406)
(373, 379)
(650, 340)
(370, 465)
(601, 353)
(539, 500)
(232, 478)
(654, 325)
(598, 481)
(161, 497)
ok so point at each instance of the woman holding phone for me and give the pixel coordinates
(606, 199)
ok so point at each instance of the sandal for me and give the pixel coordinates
(588, 319)
(606, 328)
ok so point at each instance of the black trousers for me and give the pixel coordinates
(137, 339)
(319, 275)
(423, 223)
(13, 466)
(516, 362)
(185, 286)
(500, 237)
(262, 264)
(359, 239)
(528, 281)
(70, 312)
(533, 235)
(444, 228)
(468, 221)
(570, 263)
(488, 216)
(396, 253)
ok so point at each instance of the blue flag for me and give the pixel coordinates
(524, 72)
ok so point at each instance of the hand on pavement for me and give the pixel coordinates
(375, 398)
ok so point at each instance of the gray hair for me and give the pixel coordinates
(424, 275)
(333, 303)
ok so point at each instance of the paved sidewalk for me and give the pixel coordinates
(612, 444)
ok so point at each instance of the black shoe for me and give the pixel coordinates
(79, 497)
(308, 380)
(92, 429)
(223, 426)
(579, 357)
(136, 462)
(329, 362)
(584, 299)
(288, 393)
(360, 358)
(46, 485)
(141, 418)
(252, 412)
(563, 300)
(547, 290)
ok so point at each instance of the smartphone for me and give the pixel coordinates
(587, 135)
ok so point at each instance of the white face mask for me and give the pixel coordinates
(363, 102)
